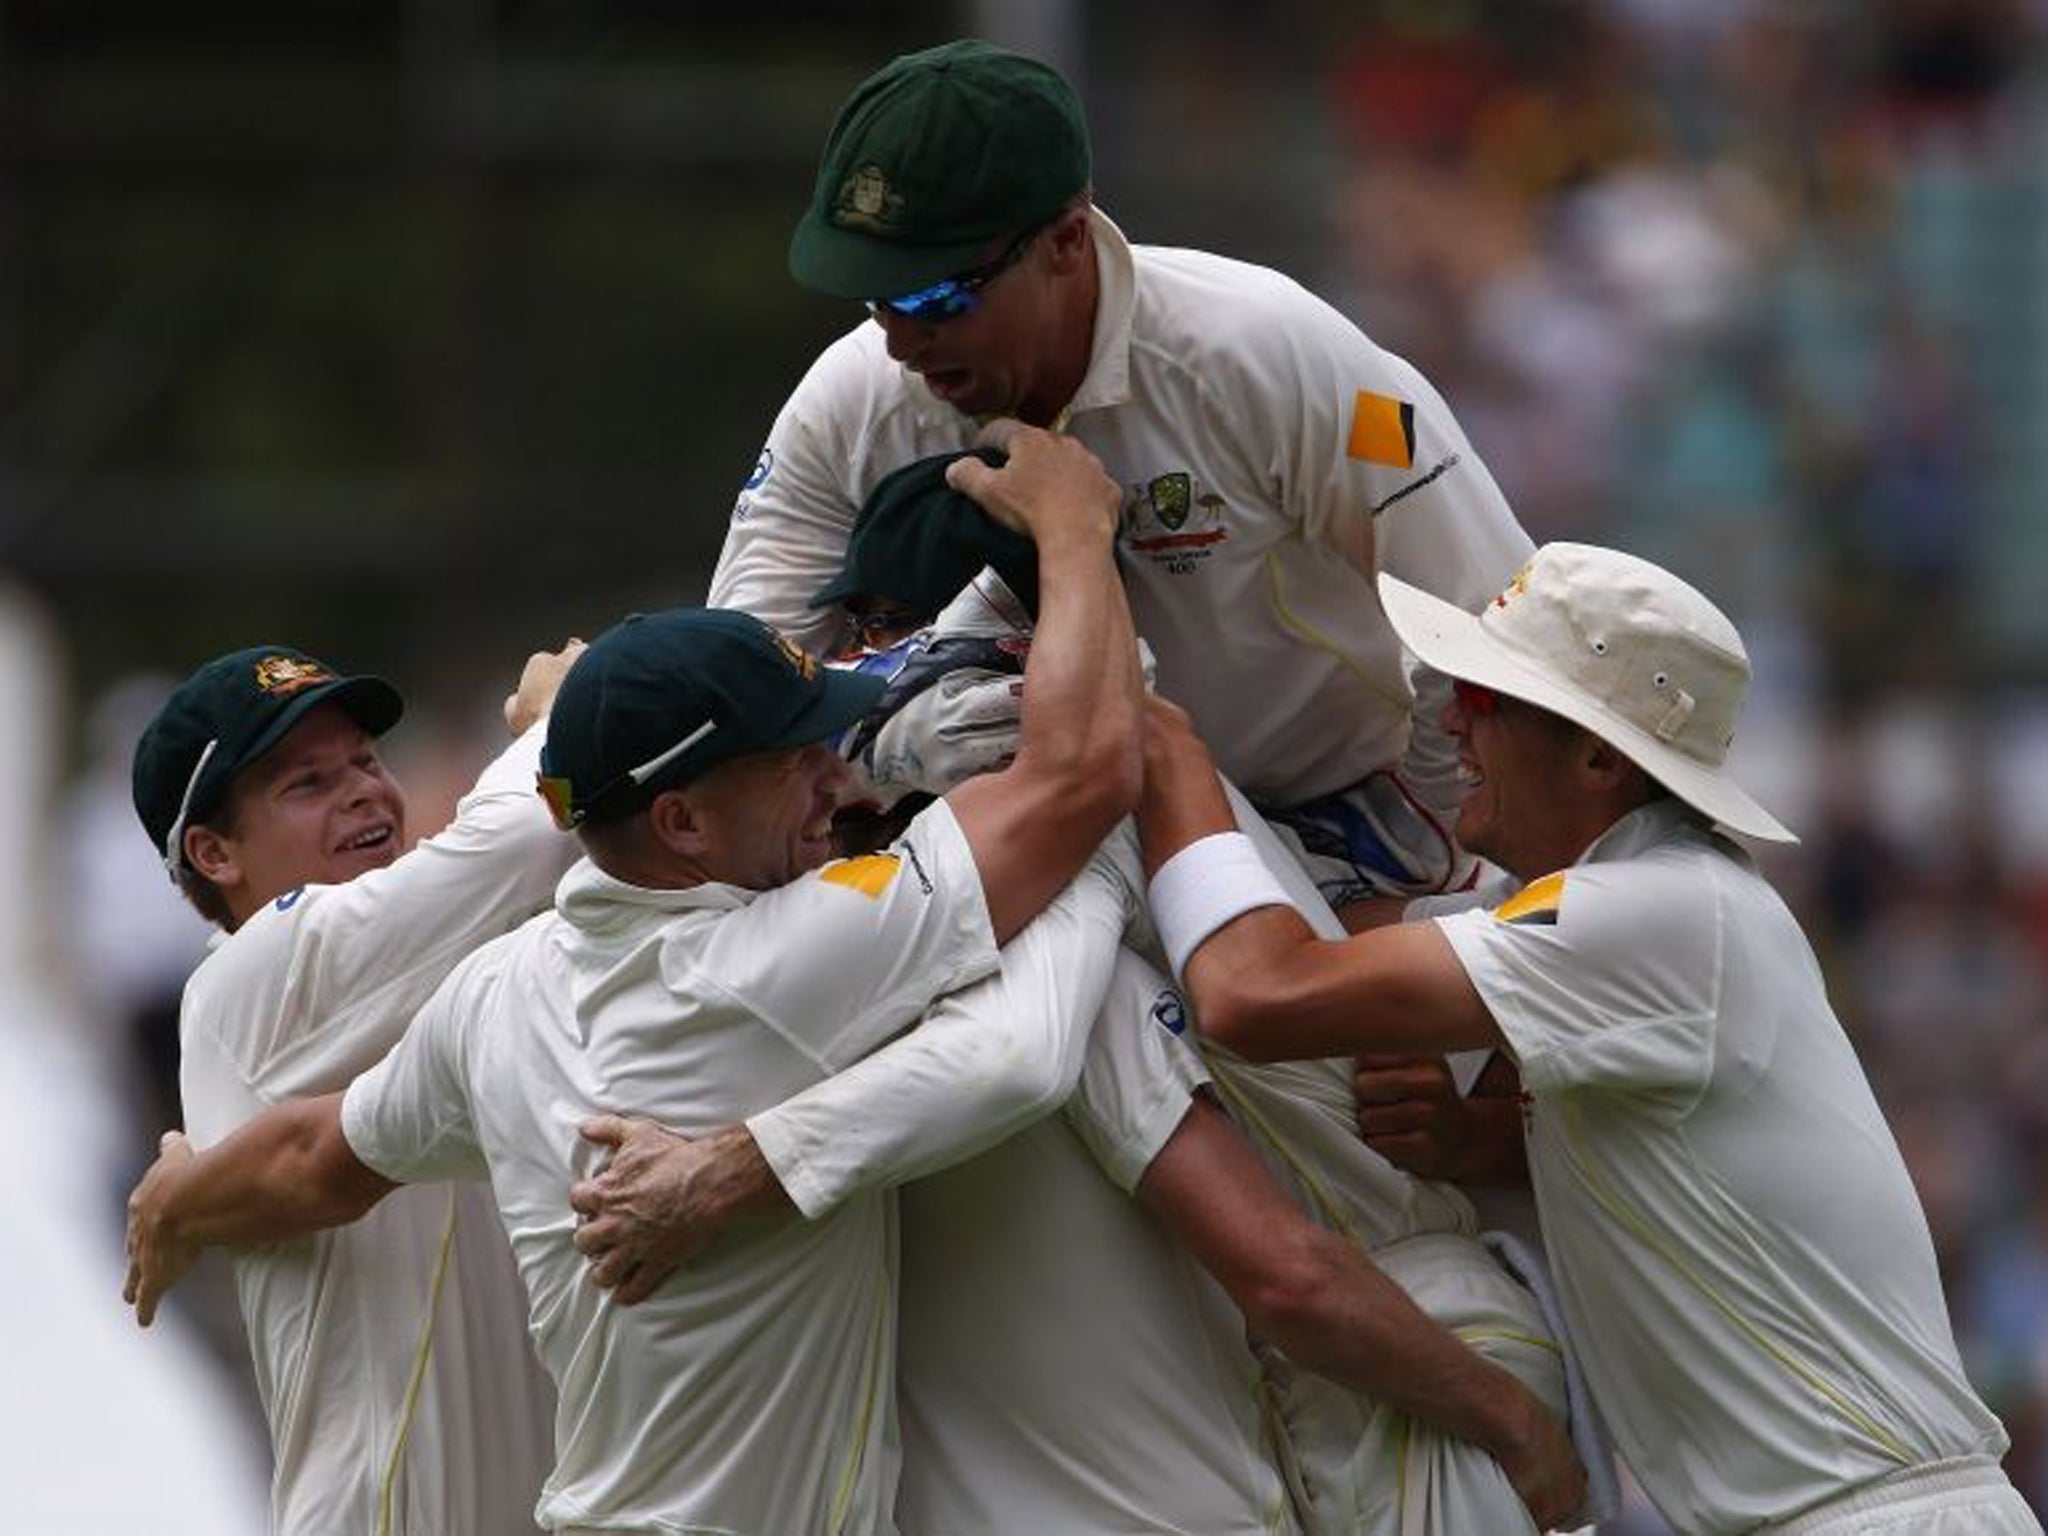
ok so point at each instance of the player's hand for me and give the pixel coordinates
(1540, 1461)
(1052, 487)
(658, 1199)
(538, 682)
(157, 1259)
(1411, 1113)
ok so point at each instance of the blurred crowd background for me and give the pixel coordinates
(424, 334)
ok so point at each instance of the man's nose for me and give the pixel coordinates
(906, 337)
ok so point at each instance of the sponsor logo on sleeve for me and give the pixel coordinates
(1169, 1012)
(763, 468)
(871, 874)
(1382, 430)
(289, 899)
(1536, 904)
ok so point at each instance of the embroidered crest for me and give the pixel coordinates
(287, 674)
(867, 202)
(805, 664)
(1172, 496)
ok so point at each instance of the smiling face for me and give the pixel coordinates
(1523, 805)
(766, 818)
(316, 809)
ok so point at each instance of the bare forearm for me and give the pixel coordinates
(1361, 1329)
(1183, 799)
(1082, 689)
(285, 1174)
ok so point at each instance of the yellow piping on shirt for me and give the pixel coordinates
(1316, 640)
(422, 1354)
(1326, 1209)
(849, 1478)
(1505, 1336)
(1641, 1229)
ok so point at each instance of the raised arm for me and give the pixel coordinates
(1263, 983)
(1079, 763)
(286, 1174)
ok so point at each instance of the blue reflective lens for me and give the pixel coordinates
(942, 301)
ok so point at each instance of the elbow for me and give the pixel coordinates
(1100, 779)
(1231, 1009)
(1012, 1086)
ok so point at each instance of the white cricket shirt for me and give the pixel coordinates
(752, 1395)
(1273, 460)
(309, 992)
(1738, 1249)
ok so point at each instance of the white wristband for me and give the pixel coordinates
(1205, 885)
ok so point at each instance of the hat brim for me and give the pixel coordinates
(844, 699)
(847, 264)
(1454, 642)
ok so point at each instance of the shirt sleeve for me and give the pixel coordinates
(986, 1061)
(883, 935)
(1604, 977)
(350, 964)
(1140, 1076)
(408, 1117)
(794, 514)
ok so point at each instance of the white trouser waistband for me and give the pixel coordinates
(1936, 1477)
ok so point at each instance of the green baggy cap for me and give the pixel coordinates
(660, 697)
(932, 158)
(917, 542)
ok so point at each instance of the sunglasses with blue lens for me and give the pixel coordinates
(958, 294)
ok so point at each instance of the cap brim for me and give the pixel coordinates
(1454, 642)
(844, 699)
(849, 265)
(371, 702)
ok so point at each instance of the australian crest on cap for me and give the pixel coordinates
(287, 674)
(805, 664)
(868, 202)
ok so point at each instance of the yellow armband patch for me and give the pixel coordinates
(1536, 902)
(870, 874)
(1382, 430)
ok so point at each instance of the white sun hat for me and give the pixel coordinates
(1612, 643)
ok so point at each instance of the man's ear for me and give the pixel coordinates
(672, 818)
(213, 855)
(1067, 238)
(1610, 770)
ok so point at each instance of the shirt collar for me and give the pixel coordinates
(1644, 828)
(1108, 379)
(596, 902)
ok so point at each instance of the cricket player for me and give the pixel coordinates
(1738, 1248)
(391, 1358)
(1272, 459)
(705, 963)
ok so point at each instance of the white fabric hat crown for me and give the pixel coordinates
(1615, 644)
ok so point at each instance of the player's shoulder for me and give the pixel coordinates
(1660, 896)
(1223, 318)
(1210, 296)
